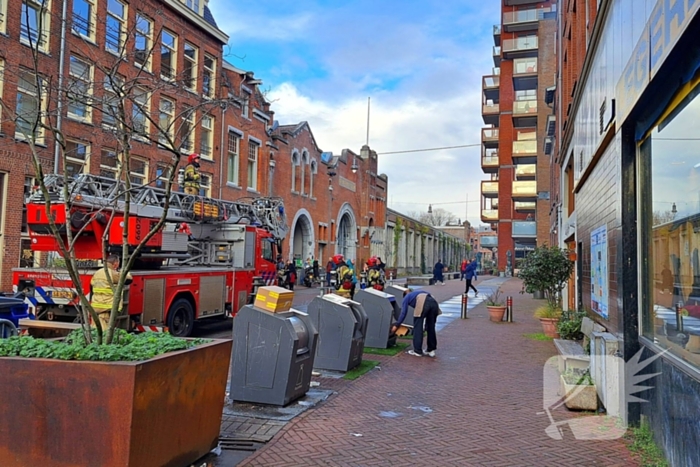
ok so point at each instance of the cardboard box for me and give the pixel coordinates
(274, 299)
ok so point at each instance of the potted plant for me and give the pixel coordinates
(495, 305)
(549, 318)
(578, 390)
(547, 268)
(569, 326)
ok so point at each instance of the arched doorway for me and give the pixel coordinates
(347, 233)
(301, 244)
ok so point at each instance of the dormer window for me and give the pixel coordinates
(194, 5)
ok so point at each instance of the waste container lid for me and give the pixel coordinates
(9, 302)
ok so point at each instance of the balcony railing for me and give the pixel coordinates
(497, 51)
(489, 188)
(524, 147)
(496, 29)
(489, 134)
(524, 66)
(524, 188)
(526, 170)
(520, 44)
(524, 229)
(489, 160)
(524, 206)
(489, 241)
(487, 109)
(524, 107)
(496, 71)
(521, 16)
(488, 215)
(491, 82)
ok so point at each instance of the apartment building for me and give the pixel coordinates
(515, 200)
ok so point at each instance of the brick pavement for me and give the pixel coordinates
(478, 403)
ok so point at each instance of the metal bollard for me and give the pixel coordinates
(465, 310)
(509, 309)
(679, 317)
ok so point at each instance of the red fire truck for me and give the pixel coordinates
(205, 262)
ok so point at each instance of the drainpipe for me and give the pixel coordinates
(222, 151)
(59, 103)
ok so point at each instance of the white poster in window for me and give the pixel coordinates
(599, 271)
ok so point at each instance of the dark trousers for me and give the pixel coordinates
(427, 320)
(470, 286)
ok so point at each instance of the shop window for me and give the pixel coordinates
(670, 212)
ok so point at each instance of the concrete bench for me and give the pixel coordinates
(419, 280)
(571, 355)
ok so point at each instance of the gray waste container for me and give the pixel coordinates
(273, 355)
(381, 311)
(341, 324)
(397, 291)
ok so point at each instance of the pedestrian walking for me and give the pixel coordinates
(102, 286)
(437, 273)
(463, 269)
(192, 176)
(425, 312)
(471, 276)
(291, 274)
(330, 266)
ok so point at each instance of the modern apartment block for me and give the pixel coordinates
(515, 201)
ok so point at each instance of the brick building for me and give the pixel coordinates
(515, 199)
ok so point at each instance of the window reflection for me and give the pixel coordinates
(675, 240)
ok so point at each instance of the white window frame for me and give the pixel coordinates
(69, 159)
(253, 157)
(161, 177)
(209, 76)
(172, 49)
(2, 78)
(121, 22)
(187, 130)
(138, 178)
(205, 185)
(206, 137)
(195, 5)
(43, 16)
(106, 170)
(91, 21)
(3, 16)
(233, 159)
(76, 78)
(166, 117)
(246, 95)
(190, 72)
(40, 96)
(110, 102)
(147, 34)
(141, 107)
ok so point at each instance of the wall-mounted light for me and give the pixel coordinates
(354, 165)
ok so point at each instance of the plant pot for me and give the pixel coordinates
(496, 313)
(579, 397)
(538, 295)
(549, 327)
(165, 411)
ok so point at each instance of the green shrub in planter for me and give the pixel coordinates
(569, 326)
(546, 268)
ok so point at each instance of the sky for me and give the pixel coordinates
(420, 63)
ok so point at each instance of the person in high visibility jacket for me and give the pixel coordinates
(102, 288)
(192, 176)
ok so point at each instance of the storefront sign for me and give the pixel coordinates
(345, 183)
(599, 271)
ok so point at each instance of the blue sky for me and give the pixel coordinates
(420, 62)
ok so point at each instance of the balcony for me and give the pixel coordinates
(489, 241)
(525, 206)
(522, 2)
(524, 190)
(489, 161)
(489, 215)
(524, 229)
(489, 189)
(496, 71)
(520, 47)
(522, 20)
(525, 113)
(525, 171)
(524, 73)
(525, 151)
(491, 112)
(489, 137)
(497, 55)
(496, 34)
(490, 85)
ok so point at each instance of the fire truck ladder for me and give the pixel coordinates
(94, 192)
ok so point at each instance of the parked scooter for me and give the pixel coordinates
(309, 279)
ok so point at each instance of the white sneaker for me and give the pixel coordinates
(415, 354)
(430, 354)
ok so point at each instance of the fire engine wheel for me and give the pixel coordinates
(181, 318)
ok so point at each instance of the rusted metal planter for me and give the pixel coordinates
(163, 412)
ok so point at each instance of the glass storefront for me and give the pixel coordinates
(671, 251)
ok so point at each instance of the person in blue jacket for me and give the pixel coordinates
(426, 311)
(437, 273)
(471, 275)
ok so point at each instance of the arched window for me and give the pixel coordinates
(312, 172)
(304, 163)
(295, 163)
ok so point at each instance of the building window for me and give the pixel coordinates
(142, 42)
(28, 190)
(187, 130)
(206, 137)
(139, 112)
(669, 206)
(246, 104)
(208, 76)
(162, 174)
(168, 55)
(166, 117)
(109, 164)
(28, 258)
(304, 163)
(110, 101)
(84, 18)
(295, 163)
(34, 23)
(3, 16)
(30, 105)
(79, 89)
(194, 5)
(189, 74)
(115, 25)
(312, 172)
(2, 79)
(234, 142)
(138, 171)
(76, 158)
(205, 186)
(253, 165)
